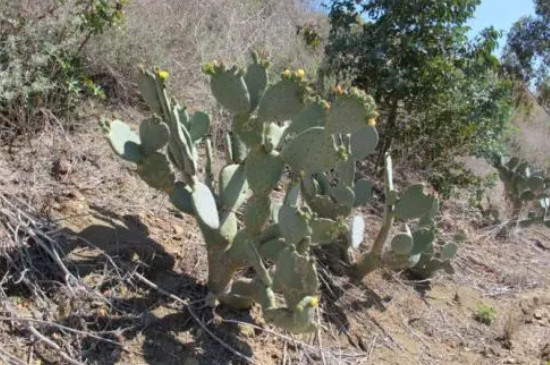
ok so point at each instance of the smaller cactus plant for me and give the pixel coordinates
(524, 185)
(415, 251)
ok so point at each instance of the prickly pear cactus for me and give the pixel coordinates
(524, 185)
(282, 133)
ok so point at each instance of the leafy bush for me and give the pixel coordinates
(439, 95)
(485, 314)
(41, 64)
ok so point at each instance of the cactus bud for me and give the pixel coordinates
(163, 75)
(286, 73)
(371, 122)
(325, 104)
(313, 302)
(300, 74)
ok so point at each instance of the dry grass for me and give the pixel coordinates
(182, 35)
(530, 138)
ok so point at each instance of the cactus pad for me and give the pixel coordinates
(448, 251)
(402, 244)
(257, 214)
(256, 81)
(357, 229)
(293, 224)
(363, 142)
(363, 192)
(263, 170)
(414, 203)
(205, 206)
(282, 101)
(229, 88)
(350, 112)
(153, 134)
(233, 186)
(249, 129)
(311, 151)
(198, 126)
(181, 198)
(155, 170)
(313, 115)
(295, 275)
(123, 140)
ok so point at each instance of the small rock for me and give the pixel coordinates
(538, 314)
(177, 229)
(61, 168)
(510, 360)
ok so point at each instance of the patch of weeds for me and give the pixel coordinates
(485, 314)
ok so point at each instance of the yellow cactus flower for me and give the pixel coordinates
(313, 302)
(302, 174)
(371, 122)
(286, 73)
(300, 74)
(163, 75)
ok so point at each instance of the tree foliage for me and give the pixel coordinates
(439, 93)
(527, 53)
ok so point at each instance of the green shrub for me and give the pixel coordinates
(485, 314)
(41, 64)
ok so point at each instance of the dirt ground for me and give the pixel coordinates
(110, 229)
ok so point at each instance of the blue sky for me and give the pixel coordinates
(500, 13)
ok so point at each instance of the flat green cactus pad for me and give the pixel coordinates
(448, 251)
(423, 239)
(123, 140)
(311, 151)
(346, 171)
(363, 192)
(147, 83)
(349, 113)
(357, 230)
(229, 225)
(229, 88)
(249, 129)
(257, 214)
(402, 244)
(153, 134)
(363, 142)
(181, 198)
(239, 150)
(343, 195)
(271, 249)
(323, 205)
(324, 230)
(263, 170)
(414, 203)
(198, 126)
(205, 206)
(281, 101)
(256, 81)
(295, 275)
(273, 135)
(313, 115)
(155, 170)
(292, 224)
(233, 186)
